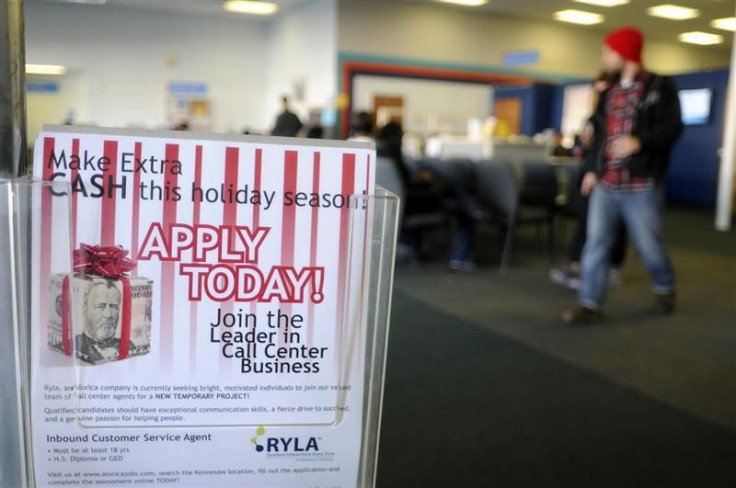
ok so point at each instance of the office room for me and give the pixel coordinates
(563, 311)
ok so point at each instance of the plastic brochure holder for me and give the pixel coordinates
(12, 471)
(23, 203)
(373, 222)
(383, 218)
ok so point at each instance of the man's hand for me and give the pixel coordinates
(586, 138)
(589, 181)
(625, 146)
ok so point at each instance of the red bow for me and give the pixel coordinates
(105, 261)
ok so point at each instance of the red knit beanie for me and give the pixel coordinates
(627, 41)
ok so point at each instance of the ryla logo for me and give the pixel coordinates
(284, 444)
(254, 440)
(291, 444)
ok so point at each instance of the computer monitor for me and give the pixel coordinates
(695, 106)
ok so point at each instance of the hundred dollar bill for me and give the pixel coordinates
(96, 312)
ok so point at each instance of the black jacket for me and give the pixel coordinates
(287, 124)
(657, 126)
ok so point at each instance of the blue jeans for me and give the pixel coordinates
(464, 238)
(640, 212)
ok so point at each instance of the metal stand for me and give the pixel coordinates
(13, 149)
(13, 162)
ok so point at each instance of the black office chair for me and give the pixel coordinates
(497, 190)
(573, 175)
(425, 211)
(570, 208)
(539, 191)
(539, 187)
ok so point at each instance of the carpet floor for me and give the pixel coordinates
(486, 388)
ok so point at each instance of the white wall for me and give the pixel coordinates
(439, 34)
(117, 56)
(429, 105)
(119, 75)
(53, 108)
(302, 50)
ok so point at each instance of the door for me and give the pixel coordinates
(387, 108)
(508, 116)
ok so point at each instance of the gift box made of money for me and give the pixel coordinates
(112, 311)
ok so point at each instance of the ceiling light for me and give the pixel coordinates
(673, 12)
(726, 23)
(88, 2)
(248, 7)
(700, 38)
(604, 3)
(579, 17)
(466, 3)
(45, 69)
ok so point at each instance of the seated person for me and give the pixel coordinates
(423, 190)
(558, 150)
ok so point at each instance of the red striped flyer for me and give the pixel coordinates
(208, 312)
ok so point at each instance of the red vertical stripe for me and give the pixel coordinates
(75, 172)
(110, 194)
(136, 197)
(229, 218)
(288, 227)
(348, 187)
(313, 243)
(167, 269)
(230, 208)
(288, 223)
(66, 332)
(125, 315)
(46, 230)
(195, 222)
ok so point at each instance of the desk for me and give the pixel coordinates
(450, 147)
(459, 169)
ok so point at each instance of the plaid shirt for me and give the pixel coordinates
(622, 105)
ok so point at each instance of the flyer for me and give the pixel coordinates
(205, 336)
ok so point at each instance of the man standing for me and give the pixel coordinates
(101, 311)
(637, 121)
(287, 123)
